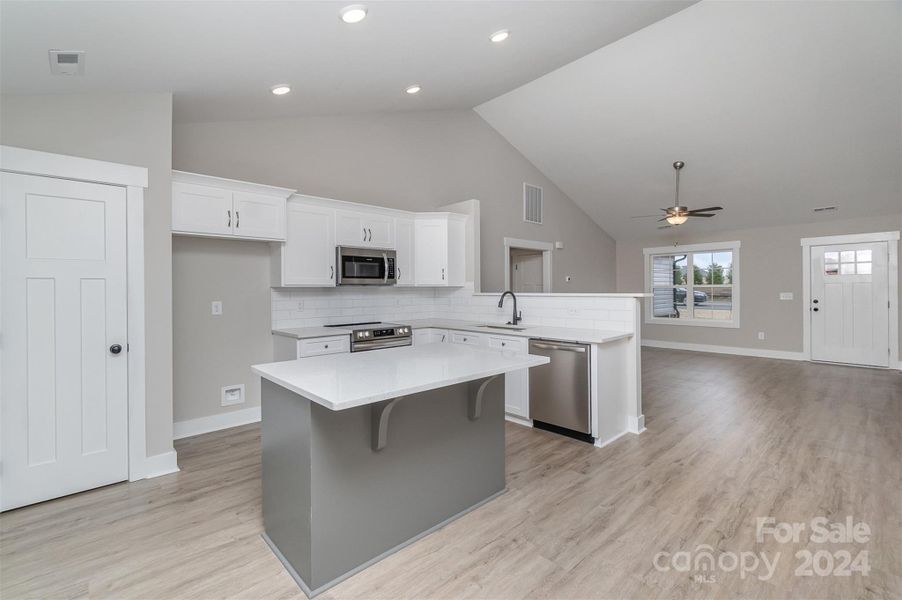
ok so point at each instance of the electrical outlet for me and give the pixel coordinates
(232, 394)
(760, 335)
(300, 305)
(785, 295)
(216, 307)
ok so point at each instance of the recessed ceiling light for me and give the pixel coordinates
(280, 90)
(500, 36)
(413, 89)
(354, 13)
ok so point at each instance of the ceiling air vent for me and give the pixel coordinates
(825, 209)
(532, 203)
(67, 62)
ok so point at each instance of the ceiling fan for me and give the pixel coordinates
(676, 214)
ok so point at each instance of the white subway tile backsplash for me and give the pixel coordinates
(309, 307)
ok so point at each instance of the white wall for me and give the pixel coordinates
(133, 129)
(770, 263)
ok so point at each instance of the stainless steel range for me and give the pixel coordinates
(375, 335)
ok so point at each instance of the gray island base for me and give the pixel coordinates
(343, 489)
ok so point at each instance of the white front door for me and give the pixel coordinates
(64, 404)
(849, 308)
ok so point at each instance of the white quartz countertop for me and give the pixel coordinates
(340, 381)
(563, 334)
(303, 333)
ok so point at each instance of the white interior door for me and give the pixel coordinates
(526, 271)
(64, 403)
(849, 309)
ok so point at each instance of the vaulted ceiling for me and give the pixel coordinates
(220, 58)
(776, 108)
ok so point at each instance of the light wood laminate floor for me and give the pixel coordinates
(729, 439)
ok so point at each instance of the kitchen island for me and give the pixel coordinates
(364, 453)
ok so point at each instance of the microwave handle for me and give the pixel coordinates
(385, 262)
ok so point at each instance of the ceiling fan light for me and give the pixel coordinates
(677, 219)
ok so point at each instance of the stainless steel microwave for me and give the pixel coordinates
(365, 266)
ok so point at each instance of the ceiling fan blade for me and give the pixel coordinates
(709, 209)
(700, 215)
(664, 219)
(643, 216)
(666, 227)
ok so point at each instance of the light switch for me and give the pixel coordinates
(559, 245)
(216, 307)
(785, 295)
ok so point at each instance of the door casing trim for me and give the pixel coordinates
(134, 180)
(892, 267)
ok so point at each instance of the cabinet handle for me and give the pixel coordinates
(364, 234)
(237, 219)
(503, 344)
(326, 346)
(398, 269)
(443, 273)
(229, 224)
(331, 272)
(371, 235)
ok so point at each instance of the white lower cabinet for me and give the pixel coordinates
(430, 336)
(516, 384)
(288, 348)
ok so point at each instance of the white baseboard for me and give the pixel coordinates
(610, 440)
(757, 352)
(191, 427)
(518, 420)
(161, 464)
(635, 424)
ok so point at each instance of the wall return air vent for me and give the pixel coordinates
(67, 62)
(533, 200)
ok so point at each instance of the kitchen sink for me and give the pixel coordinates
(508, 327)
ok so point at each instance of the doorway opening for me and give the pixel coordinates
(527, 266)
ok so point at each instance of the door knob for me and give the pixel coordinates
(815, 300)
(115, 348)
(815, 309)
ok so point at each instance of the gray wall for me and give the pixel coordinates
(770, 263)
(134, 129)
(210, 352)
(414, 161)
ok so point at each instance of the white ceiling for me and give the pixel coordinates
(220, 59)
(776, 108)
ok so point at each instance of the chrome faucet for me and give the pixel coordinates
(517, 317)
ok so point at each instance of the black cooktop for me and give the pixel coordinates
(354, 324)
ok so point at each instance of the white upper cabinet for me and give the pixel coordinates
(200, 209)
(440, 249)
(216, 207)
(404, 251)
(364, 229)
(258, 216)
(307, 258)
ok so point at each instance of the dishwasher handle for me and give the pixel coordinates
(580, 349)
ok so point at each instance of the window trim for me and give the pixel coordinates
(733, 247)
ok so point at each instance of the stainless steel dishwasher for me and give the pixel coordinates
(559, 395)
